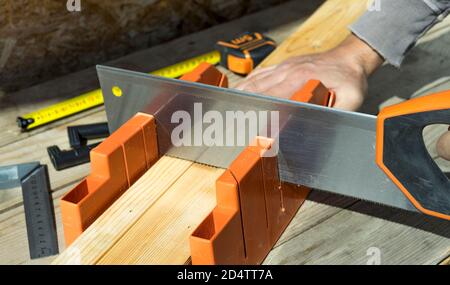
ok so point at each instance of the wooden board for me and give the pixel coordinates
(124, 213)
(160, 236)
(349, 235)
(323, 31)
(446, 261)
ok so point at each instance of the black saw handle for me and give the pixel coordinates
(402, 154)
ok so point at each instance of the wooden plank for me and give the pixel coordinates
(160, 236)
(319, 207)
(125, 212)
(347, 237)
(446, 261)
(324, 30)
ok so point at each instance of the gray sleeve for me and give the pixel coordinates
(392, 27)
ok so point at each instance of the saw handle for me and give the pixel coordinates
(401, 152)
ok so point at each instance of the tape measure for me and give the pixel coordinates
(95, 98)
(243, 53)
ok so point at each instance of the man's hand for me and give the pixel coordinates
(344, 70)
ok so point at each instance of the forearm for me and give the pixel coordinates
(394, 29)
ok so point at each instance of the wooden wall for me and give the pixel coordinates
(40, 39)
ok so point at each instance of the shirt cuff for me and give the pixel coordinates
(394, 28)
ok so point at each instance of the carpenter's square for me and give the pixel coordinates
(39, 212)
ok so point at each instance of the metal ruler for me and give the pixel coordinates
(39, 211)
(94, 98)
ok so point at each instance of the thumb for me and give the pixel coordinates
(349, 98)
(443, 146)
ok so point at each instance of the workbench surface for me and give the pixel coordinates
(328, 229)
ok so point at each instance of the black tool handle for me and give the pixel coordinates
(62, 159)
(79, 135)
(402, 154)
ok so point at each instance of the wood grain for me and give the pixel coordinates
(161, 234)
(446, 261)
(125, 212)
(324, 30)
(348, 236)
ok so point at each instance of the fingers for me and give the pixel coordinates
(286, 88)
(254, 77)
(262, 82)
(443, 146)
(261, 70)
(262, 79)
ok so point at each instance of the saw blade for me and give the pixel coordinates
(319, 147)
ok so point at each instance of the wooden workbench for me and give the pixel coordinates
(328, 228)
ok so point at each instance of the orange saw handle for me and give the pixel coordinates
(402, 155)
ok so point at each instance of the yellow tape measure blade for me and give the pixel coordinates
(181, 68)
(61, 110)
(95, 98)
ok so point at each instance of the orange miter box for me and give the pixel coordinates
(118, 162)
(253, 206)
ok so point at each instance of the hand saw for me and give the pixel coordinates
(379, 159)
